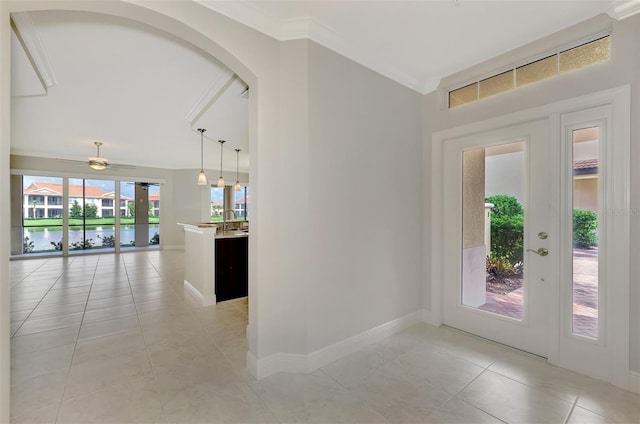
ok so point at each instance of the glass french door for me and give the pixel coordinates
(500, 237)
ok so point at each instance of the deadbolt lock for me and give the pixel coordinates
(542, 235)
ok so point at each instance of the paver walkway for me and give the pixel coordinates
(585, 295)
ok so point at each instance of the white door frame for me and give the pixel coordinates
(530, 332)
(617, 295)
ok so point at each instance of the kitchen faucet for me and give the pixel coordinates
(224, 218)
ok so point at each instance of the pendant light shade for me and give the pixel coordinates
(221, 180)
(238, 188)
(202, 178)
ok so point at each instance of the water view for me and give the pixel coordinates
(48, 239)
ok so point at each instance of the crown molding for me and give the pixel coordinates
(308, 28)
(26, 30)
(621, 9)
(247, 14)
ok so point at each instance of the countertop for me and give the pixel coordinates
(206, 226)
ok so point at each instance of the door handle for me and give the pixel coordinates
(541, 251)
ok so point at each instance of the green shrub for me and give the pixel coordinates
(507, 228)
(585, 228)
(27, 245)
(507, 237)
(107, 241)
(504, 205)
(82, 244)
(90, 211)
(499, 266)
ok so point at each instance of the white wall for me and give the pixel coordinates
(504, 175)
(622, 69)
(365, 199)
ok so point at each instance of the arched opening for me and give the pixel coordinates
(188, 26)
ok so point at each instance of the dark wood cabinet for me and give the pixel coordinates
(232, 268)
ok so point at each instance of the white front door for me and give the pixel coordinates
(498, 208)
(530, 232)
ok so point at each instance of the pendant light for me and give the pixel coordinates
(238, 188)
(221, 180)
(202, 178)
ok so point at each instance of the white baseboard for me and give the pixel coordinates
(430, 318)
(202, 300)
(634, 382)
(173, 247)
(300, 363)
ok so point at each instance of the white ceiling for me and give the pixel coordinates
(138, 90)
(416, 43)
(143, 92)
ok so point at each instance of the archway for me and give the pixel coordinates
(249, 54)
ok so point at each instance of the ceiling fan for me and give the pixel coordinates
(143, 185)
(98, 162)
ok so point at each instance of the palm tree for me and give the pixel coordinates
(35, 203)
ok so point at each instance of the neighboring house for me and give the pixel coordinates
(154, 204)
(216, 208)
(240, 208)
(585, 185)
(44, 200)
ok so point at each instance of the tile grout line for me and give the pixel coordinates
(75, 345)
(566, 419)
(41, 299)
(146, 345)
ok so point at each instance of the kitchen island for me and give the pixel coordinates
(216, 263)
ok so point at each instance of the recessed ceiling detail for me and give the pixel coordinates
(212, 93)
(31, 67)
(131, 86)
(621, 9)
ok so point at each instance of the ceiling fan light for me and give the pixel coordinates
(221, 182)
(202, 178)
(97, 163)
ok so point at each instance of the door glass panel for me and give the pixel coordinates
(493, 229)
(585, 231)
(42, 214)
(91, 214)
(154, 215)
(127, 214)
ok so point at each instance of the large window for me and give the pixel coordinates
(91, 224)
(236, 201)
(53, 214)
(154, 214)
(139, 214)
(217, 203)
(241, 201)
(41, 214)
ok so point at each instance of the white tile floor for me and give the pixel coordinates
(112, 339)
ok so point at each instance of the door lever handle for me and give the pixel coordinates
(541, 251)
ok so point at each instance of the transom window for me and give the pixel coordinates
(568, 60)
